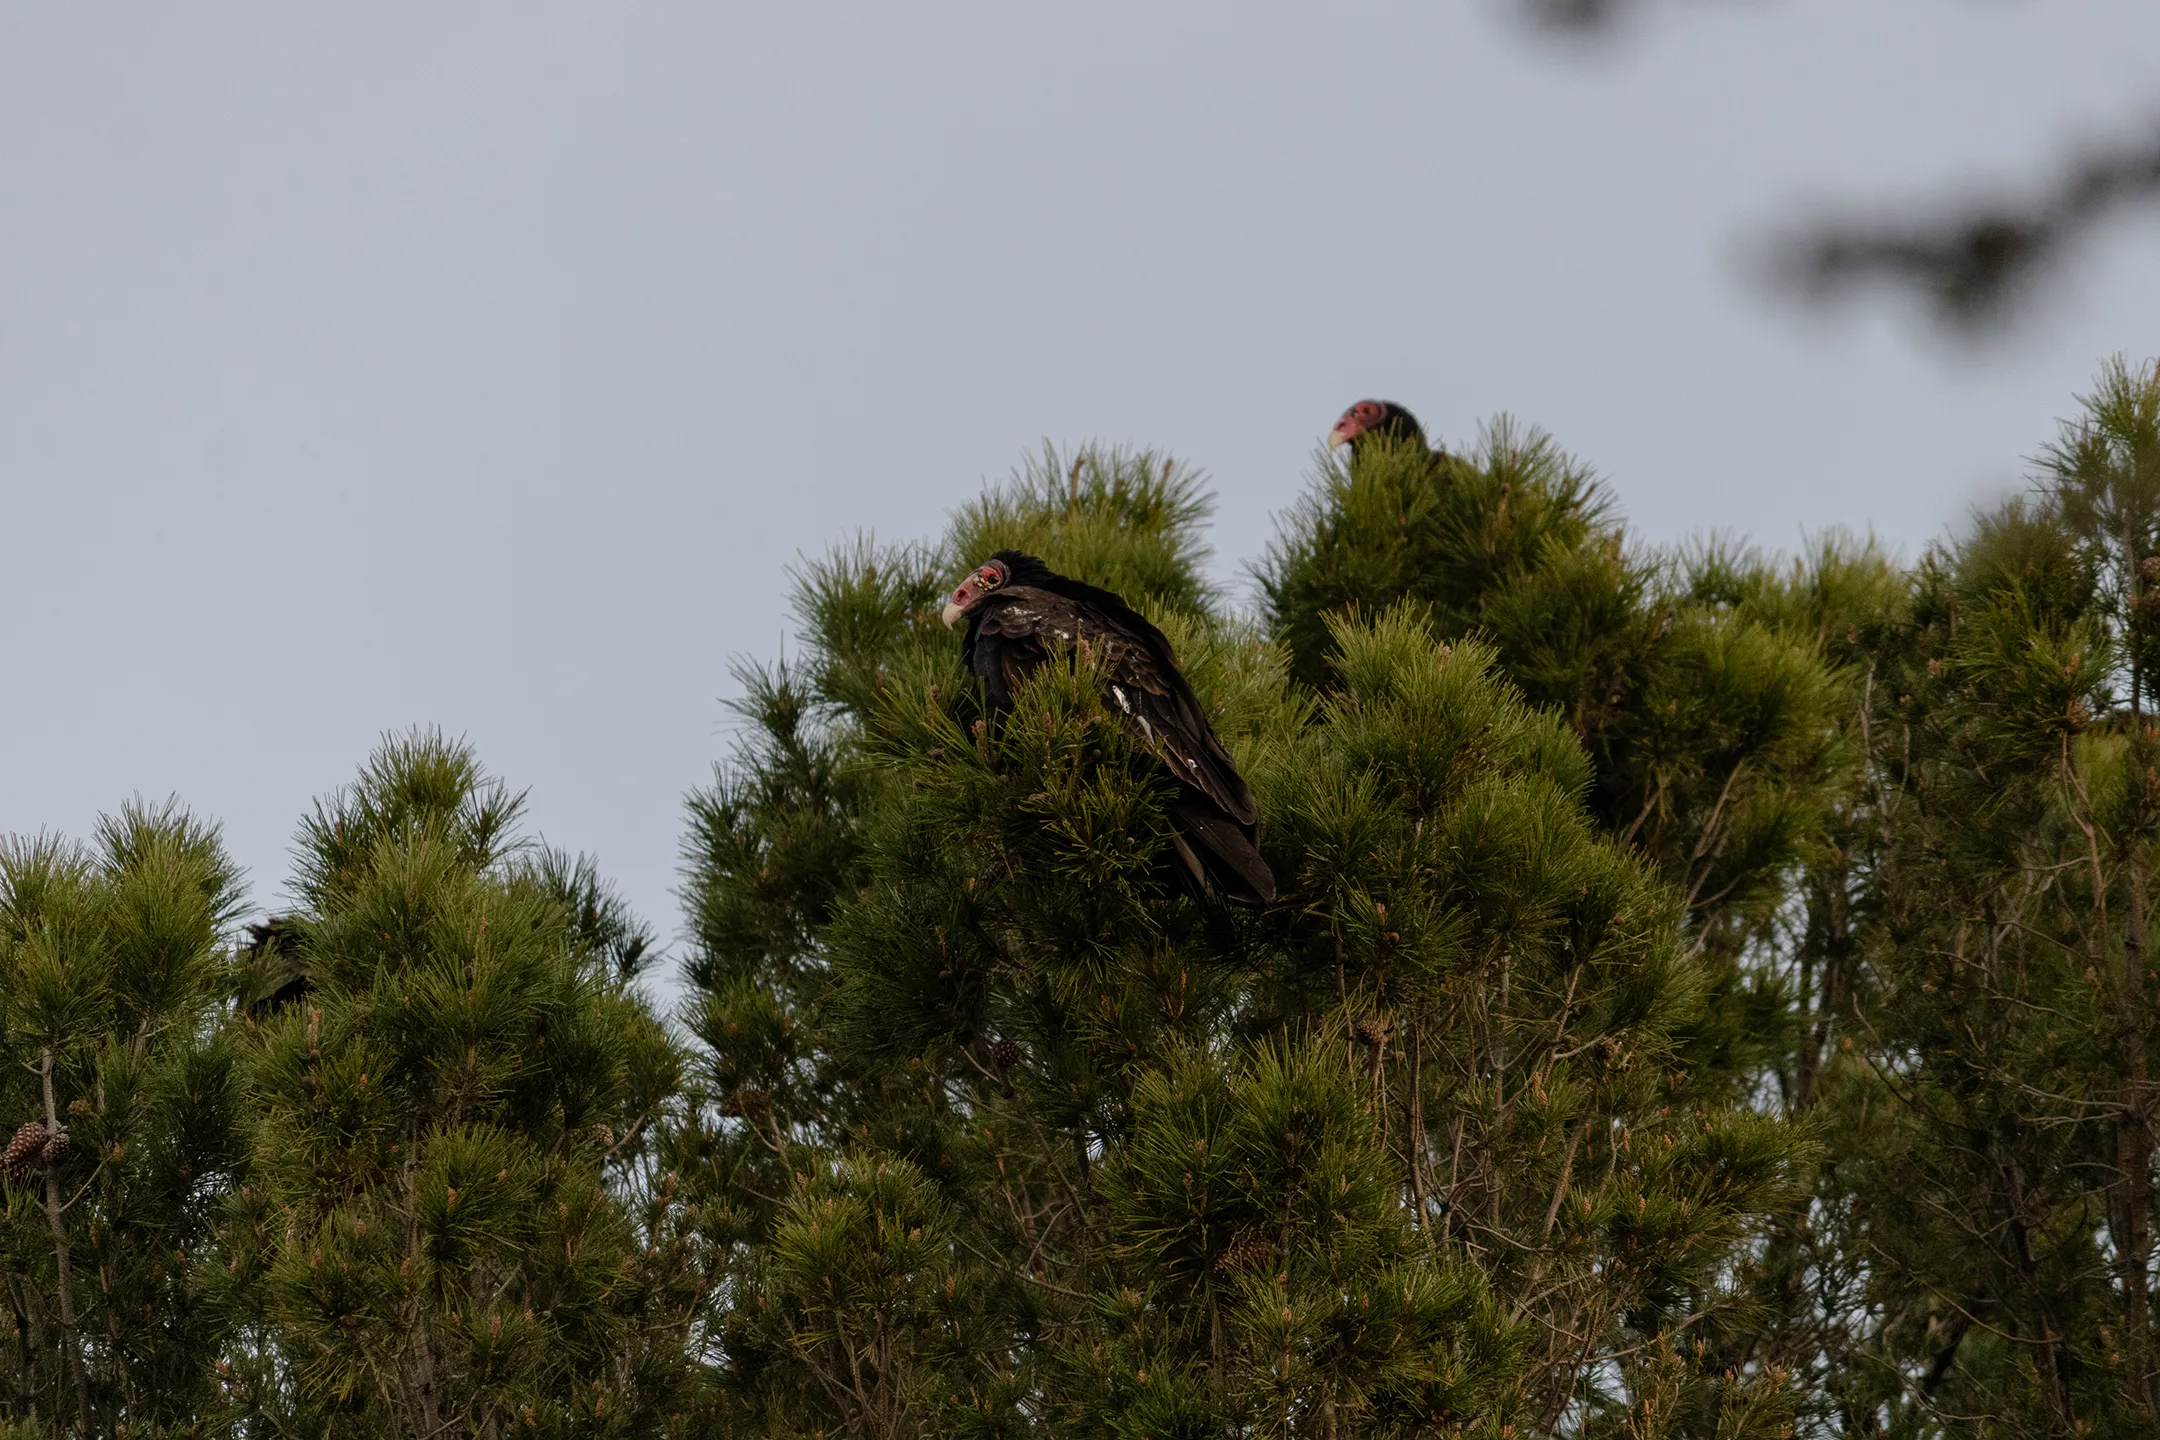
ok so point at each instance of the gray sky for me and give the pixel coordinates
(484, 364)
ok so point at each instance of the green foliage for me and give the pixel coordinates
(1707, 996)
(1424, 1146)
(1970, 952)
(1485, 542)
(2103, 481)
(2010, 1023)
(1129, 520)
(109, 977)
(428, 1236)
(1710, 725)
(1263, 1276)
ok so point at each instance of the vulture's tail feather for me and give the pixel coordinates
(1220, 853)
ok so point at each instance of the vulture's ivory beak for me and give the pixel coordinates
(952, 614)
(1340, 436)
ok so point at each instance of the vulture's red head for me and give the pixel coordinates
(1375, 417)
(979, 584)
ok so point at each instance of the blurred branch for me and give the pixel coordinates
(1972, 261)
(1574, 14)
(1581, 17)
(1969, 261)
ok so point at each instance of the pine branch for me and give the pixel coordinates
(1971, 263)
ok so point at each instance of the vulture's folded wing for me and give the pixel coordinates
(1142, 683)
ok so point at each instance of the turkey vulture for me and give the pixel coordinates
(1375, 417)
(1019, 613)
(273, 972)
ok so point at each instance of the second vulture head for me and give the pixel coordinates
(1006, 567)
(1375, 417)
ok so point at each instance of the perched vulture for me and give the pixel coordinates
(274, 974)
(1375, 417)
(1019, 613)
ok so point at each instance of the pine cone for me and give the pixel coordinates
(1250, 1248)
(57, 1146)
(1005, 1054)
(23, 1151)
(1373, 1029)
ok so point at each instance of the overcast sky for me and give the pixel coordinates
(485, 365)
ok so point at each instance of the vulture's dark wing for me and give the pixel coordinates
(273, 971)
(1017, 628)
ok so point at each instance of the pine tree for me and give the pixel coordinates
(1421, 1148)
(1706, 997)
(1988, 1224)
(1709, 725)
(1851, 605)
(122, 1098)
(445, 1226)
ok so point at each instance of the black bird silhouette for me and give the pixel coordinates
(274, 971)
(1019, 613)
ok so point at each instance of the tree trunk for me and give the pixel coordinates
(423, 1379)
(1415, 1124)
(2133, 1149)
(71, 1338)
